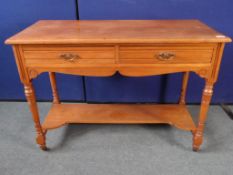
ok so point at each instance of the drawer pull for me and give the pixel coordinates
(165, 56)
(69, 57)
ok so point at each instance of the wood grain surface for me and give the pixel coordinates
(61, 114)
(117, 31)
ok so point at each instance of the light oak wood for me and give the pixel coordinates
(81, 52)
(206, 98)
(119, 114)
(47, 58)
(69, 56)
(184, 88)
(52, 77)
(117, 31)
(182, 54)
(30, 95)
(130, 47)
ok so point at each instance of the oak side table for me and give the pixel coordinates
(130, 47)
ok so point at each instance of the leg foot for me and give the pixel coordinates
(41, 141)
(44, 148)
(195, 148)
(197, 141)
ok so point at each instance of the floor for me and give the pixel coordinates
(113, 149)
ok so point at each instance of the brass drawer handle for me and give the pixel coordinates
(69, 57)
(165, 56)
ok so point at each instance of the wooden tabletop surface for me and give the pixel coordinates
(117, 31)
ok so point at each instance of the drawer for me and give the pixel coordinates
(166, 54)
(67, 55)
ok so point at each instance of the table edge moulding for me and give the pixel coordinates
(133, 48)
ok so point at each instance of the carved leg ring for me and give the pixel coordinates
(206, 98)
(30, 95)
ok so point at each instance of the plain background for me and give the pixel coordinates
(16, 15)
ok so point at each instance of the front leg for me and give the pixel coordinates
(31, 98)
(206, 98)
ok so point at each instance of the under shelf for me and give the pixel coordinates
(61, 114)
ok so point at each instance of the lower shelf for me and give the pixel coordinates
(61, 114)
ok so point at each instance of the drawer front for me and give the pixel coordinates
(164, 54)
(68, 56)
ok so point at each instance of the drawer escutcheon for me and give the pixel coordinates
(69, 57)
(165, 56)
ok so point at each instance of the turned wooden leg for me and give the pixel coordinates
(184, 88)
(206, 98)
(30, 95)
(52, 78)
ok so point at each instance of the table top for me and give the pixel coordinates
(117, 31)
